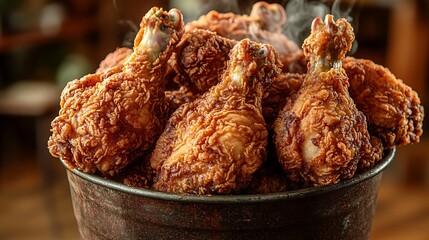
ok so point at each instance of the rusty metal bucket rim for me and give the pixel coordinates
(236, 199)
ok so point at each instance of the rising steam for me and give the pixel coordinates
(300, 14)
(195, 8)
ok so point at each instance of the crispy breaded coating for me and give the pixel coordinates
(320, 134)
(115, 59)
(263, 25)
(109, 119)
(393, 109)
(281, 89)
(200, 59)
(216, 143)
(140, 174)
(176, 98)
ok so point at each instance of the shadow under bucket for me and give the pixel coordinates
(105, 209)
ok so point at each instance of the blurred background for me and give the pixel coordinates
(46, 43)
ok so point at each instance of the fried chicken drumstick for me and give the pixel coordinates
(393, 109)
(216, 143)
(263, 25)
(320, 134)
(109, 119)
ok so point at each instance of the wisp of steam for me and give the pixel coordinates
(300, 14)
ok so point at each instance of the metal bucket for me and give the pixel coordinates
(106, 209)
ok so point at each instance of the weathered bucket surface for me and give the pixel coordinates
(106, 209)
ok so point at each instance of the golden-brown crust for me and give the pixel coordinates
(114, 59)
(329, 41)
(320, 134)
(176, 98)
(109, 119)
(200, 58)
(263, 25)
(205, 161)
(140, 174)
(275, 98)
(371, 154)
(393, 109)
(105, 126)
(214, 144)
(229, 25)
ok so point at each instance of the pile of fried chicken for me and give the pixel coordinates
(227, 104)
